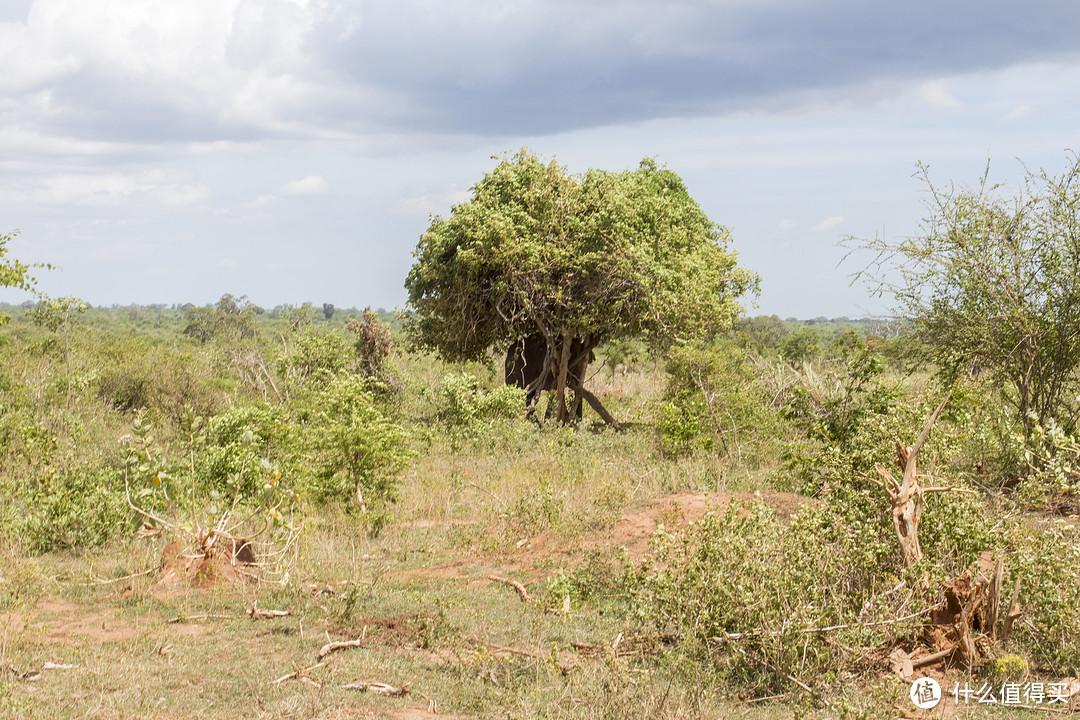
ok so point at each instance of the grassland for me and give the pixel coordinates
(507, 581)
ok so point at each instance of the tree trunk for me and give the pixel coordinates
(561, 414)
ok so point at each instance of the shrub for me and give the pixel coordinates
(715, 399)
(465, 405)
(356, 449)
(78, 508)
(737, 588)
(316, 354)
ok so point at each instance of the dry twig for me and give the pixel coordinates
(521, 591)
(379, 688)
(343, 644)
(299, 674)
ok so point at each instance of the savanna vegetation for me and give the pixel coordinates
(231, 511)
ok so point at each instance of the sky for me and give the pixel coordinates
(157, 151)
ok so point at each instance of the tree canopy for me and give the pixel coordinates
(591, 257)
(993, 283)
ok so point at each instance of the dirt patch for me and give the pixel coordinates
(534, 556)
(56, 622)
(396, 631)
(673, 512)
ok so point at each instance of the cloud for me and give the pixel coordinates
(787, 224)
(310, 185)
(829, 222)
(225, 262)
(244, 71)
(935, 95)
(424, 202)
(105, 190)
(1016, 113)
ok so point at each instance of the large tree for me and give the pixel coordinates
(585, 258)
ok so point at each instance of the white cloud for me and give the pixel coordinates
(310, 185)
(225, 262)
(105, 190)
(829, 222)
(786, 224)
(426, 203)
(935, 94)
(1017, 112)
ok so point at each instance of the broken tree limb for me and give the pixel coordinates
(298, 674)
(257, 613)
(595, 405)
(342, 644)
(1013, 613)
(906, 495)
(521, 591)
(727, 637)
(379, 688)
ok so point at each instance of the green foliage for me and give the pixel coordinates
(231, 317)
(993, 284)
(465, 405)
(750, 575)
(77, 508)
(1053, 460)
(225, 475)
(316, 355)
(800, 346)
(239, 440)
(714, 399)
(602, 254)
(12, 272)
(1046, 561)
(356, 449)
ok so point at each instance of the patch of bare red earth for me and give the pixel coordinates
(535, 556)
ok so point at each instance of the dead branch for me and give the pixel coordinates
(27, 676)
(1013, 613)
(521, 591)
(99, 581)
(187, 618)
(257, 613)
(932, 658)
(727, 637)
(379, 688)
(298, 674)
(343, 644)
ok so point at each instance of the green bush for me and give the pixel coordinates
(715, 400)
(465, 405)
(79, 508)
(737, 588)
(356, 450)
(316, 354)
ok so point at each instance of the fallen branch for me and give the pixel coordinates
(298, 674)
(343, 644)
(932, 658)
(186, 618)
(99, 581)
(28, 676)
(805, 631)
(514, 584)
(379, 688)
(256, 612)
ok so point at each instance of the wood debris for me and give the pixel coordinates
(379, 688)
(27, 676)
(300, 675)
(521, 591)
(256, 613)
(342, 644)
